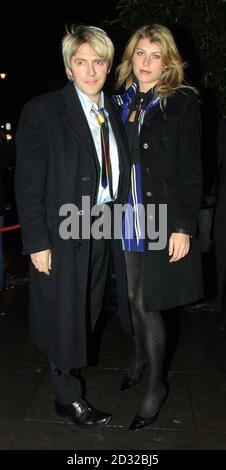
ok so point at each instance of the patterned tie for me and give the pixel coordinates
(106, 178)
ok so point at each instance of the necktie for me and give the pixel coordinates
(106, 177)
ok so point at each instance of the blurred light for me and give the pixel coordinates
(8, 136)
(3, 76)
(8, 126)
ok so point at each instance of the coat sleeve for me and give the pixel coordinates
(30, 179)
(189, 188)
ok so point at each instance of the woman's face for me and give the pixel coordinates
(147, 64)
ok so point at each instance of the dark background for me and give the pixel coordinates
(30, 46)
(30, 54)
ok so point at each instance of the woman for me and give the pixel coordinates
(161, 118)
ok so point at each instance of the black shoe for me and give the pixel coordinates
(128, 383)
(140, 422)
(83, 414)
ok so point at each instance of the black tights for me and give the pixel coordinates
(149, 339)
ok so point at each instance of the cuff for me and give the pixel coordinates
(181, 230)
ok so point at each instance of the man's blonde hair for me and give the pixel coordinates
(97, 38)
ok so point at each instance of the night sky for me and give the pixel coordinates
(30, 41)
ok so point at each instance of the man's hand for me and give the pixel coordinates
(179, 244)
(42, 261)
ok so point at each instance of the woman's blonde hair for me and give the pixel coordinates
(173, 74)
(97, 38)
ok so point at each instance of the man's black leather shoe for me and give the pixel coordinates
(83, 414)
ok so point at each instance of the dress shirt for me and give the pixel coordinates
(103, 194)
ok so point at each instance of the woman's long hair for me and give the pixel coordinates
(172, 76)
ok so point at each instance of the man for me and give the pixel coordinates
(59, 161)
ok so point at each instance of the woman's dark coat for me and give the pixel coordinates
(171, 174)
(57, 164)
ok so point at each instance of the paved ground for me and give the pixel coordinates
(193, 417)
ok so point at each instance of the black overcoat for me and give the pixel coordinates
(171, 174)
(57, 164)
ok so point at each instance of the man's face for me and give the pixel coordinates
(89, 71)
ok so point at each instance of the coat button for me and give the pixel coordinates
(78, 245)
(149, 194)
(85, 179)
(148, 171)
(145, 146)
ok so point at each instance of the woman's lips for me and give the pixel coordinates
(146, 72)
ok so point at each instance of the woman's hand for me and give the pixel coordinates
(179, 244)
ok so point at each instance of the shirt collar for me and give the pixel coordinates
(87, 103)
(148, 95)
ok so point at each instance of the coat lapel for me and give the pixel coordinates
(154, 112)
(120, 137)
(74, 117)
(115, 126)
